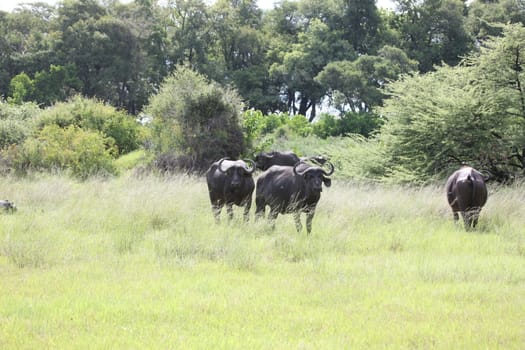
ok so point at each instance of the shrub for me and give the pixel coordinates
(196, 119)
(83, 153)
(92, 115)
(16, 122)
(350, 123)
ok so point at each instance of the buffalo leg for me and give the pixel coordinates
(247, 206)
(467, 219)
(216, 208)
(475, 218)
(297, 219)
(309, 219)
(229, 209)
(471, 218)
(272, 216)
(259, 208)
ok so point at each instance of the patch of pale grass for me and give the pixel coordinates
(126, 263)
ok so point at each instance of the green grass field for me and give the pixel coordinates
(140, 264)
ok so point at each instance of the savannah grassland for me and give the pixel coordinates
(131, 263)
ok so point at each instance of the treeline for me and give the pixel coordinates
(414, 92)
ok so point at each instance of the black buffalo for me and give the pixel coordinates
(230, 182)
(7, 206)
(467, 194)
(265, 160)
(287, 189)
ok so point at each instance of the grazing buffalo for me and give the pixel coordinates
(291, 189)
(467, 194)
(230, 182)
(7, 206)
(265, 160)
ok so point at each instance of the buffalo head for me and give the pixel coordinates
(314, 176)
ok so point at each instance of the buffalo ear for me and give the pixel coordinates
(327, 181)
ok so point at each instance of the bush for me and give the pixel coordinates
(16, 122)
(83, 153)
(351, 123)
(92, 115)
(196, 119)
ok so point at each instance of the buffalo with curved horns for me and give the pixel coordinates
(265, 160)
(287, 189)
(230, 182)
(466, 194)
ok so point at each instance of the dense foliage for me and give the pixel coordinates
(195, 122)
(404, 95)
(81, 137)
(472, 113)
(297, 57)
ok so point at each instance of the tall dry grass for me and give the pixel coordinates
(127, 263)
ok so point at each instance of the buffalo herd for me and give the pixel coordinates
(290, 184)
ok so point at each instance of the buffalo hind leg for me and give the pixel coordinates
(470, 218)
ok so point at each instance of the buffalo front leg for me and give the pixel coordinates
(247, 207)
(216, 208)
(272, 216)
(229, 209)
(309, 218)
(259, 208)
(297, 219)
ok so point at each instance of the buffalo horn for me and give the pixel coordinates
(252, 169)
(220, 164)
(331, 171)
(295, 169)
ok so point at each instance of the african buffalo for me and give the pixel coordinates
(230, 182)
(7, 206)
(265, 160)
(466, 193)
(287, 189)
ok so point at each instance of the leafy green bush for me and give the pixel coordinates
(16, 122)
(196, 120)
(350, 123)
(81, 152)
(92, 115)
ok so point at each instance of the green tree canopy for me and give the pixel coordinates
(472, 113)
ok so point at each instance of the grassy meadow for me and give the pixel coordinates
(131, 263)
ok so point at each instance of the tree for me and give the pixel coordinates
(57, 84)
(472, 113)
(195, 120)
(358, 84)
(191, 33)
(433, 31)
(303, 61)
(486, 18)
(21, 89)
